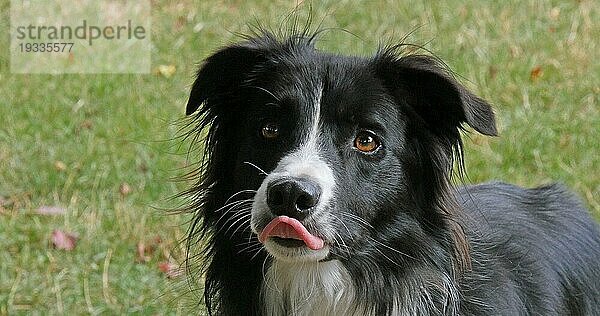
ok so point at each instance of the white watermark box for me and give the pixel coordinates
(84, 36)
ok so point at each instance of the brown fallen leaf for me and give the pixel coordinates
(492, 72)
(146, 249)
(143, 167)
(86, 124)
(60, 166)
(554, 13)
(15, 201)
(515, 51)
(144, 252)
(124, 189)
(171, 269)
(7, 203)
(141, 253)
(536, 73)
(4, 201)
(63, 240)
(166, 70)
(51, 210)
(564, 140)
(179, 23)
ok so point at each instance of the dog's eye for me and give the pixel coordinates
(366, 142)
(270, 130)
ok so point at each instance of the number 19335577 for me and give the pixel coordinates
(45, 47)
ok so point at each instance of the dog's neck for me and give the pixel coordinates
(321, 288)
(326, 288)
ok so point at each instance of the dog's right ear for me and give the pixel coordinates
(222, 73)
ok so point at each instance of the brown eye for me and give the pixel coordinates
(366, 142)
(270, 131)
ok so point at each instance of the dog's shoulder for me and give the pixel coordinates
(546, 216)
(542, 233)
(545, 205)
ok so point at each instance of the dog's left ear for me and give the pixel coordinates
(438, 99)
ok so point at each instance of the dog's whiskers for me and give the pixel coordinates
(234, 207)
(260, 249)
(390, 248)
(358, 220)
(245, 219)
(238, 193)
(242, 215)
(250, 248)
(257, 167)
(385, 256)
(342, 245)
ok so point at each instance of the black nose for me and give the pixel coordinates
(293, 197)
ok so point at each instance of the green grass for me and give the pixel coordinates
(549, 131)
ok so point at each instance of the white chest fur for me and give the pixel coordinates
(299, 289)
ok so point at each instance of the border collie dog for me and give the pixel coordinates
(325, 189)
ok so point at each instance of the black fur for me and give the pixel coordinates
(488, 249)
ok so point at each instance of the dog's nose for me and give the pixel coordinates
(293, 197)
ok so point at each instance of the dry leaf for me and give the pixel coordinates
(554, 13)
(536, 73)
(143, 167)
(51, 210)
(179, 23)
(4, 201)
(15, 201)
(564, 140)
(166, 70)
(60, 166)
(63, 240)
(145, 250)
(141, 254)
(86, 124)
(515, 51)
(463, 12)
(492, 72)
(172, 270)
(124, 189)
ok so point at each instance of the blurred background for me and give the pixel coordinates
(88, 162)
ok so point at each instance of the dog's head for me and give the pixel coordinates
(326, 156)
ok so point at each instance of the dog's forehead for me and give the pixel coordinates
(318, 69)
(339, 85)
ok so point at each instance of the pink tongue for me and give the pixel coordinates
(287, 227)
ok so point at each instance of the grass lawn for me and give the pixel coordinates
(101, 146)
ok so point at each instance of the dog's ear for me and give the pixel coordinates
(222, 73)
(438, 99)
